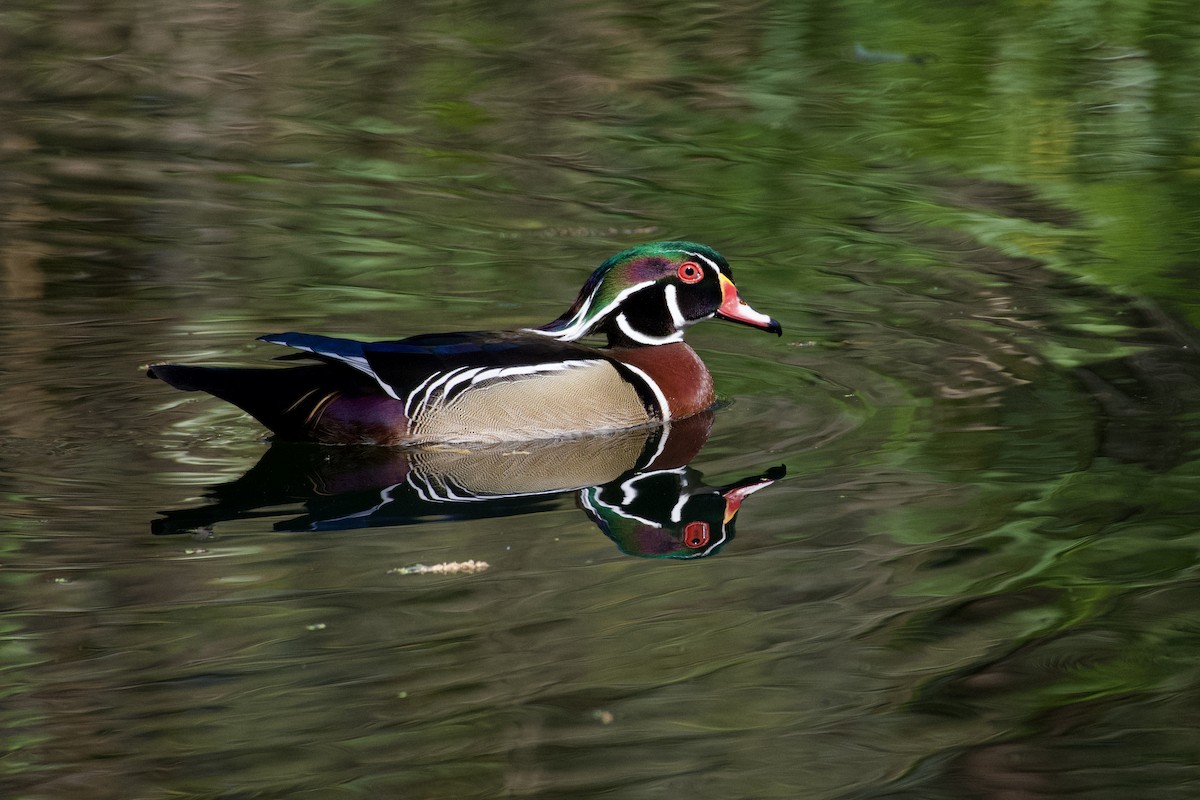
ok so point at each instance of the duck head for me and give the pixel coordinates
(648, 294)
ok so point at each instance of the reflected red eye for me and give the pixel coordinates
(695, 534)
(690, 272)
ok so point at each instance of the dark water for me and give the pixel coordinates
(976, 222)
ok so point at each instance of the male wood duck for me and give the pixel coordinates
(497, 386)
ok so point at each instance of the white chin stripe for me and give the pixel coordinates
(645, 338)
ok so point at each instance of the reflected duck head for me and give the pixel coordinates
(671, 513)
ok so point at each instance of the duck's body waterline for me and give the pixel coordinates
(503, 386)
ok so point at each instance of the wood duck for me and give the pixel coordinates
(497, 386)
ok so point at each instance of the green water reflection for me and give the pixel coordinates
(976, 222)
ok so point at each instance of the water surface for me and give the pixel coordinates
(976, 223)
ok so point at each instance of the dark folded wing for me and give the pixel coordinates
(441, 365)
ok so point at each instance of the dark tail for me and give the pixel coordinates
(287, 401)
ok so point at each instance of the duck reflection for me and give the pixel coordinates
(636, 486)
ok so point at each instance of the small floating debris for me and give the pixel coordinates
(445, 568)
(445, 448)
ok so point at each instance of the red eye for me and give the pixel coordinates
(690, 272)
(695, 534)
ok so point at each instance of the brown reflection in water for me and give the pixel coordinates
(21, 256)
(21, 280)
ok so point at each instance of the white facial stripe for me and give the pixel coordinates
(629, 487)
(645, 338)
(677, 511)
(673, 306)
(629, 491)
(661, 398)
(583, 320)
(701, 257)
(711, 546)
(588, 496)
(582, 313)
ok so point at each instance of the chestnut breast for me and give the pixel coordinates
(680, 375)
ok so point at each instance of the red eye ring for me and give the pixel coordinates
(690, 272)
(695, 534)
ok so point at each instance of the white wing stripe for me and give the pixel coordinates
(464, 376)
(553, 366)
(439, 387)
(356, 362)
(442, 377)
(412, 396)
